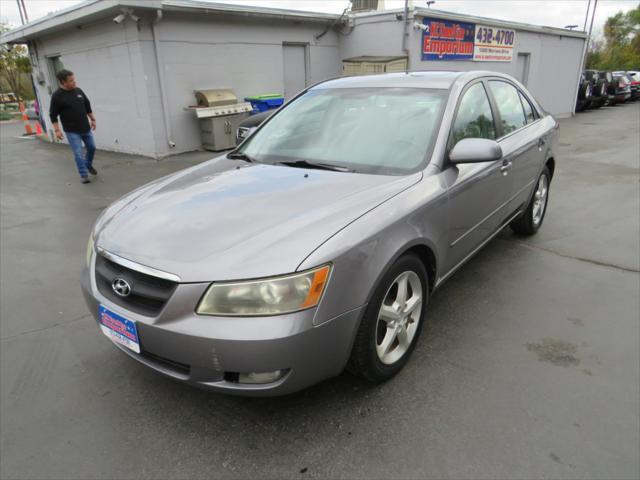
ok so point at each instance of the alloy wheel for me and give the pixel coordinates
(540, 200)
(399, 317)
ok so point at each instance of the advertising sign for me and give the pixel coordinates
(452, 40)
(447, 40)
(493, 44)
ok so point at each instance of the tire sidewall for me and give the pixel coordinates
(534, 227)
(377, 369)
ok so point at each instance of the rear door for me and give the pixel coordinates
(521, 138)
(478, 192)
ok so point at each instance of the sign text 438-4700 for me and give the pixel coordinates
(493, 44)
(451, 40)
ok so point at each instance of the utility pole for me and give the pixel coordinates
(586, 17)
(586, 43)
(586, 49)
(24, 10)
(20, 11)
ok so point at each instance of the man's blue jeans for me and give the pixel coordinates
(84, 159)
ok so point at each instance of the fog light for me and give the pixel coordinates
(261, 377)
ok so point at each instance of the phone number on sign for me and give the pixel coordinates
(489, 36)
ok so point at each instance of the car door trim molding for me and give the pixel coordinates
(491, 214)
(137, 266)
(475, 250)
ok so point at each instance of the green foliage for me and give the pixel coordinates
(15, 67)
(621, 47)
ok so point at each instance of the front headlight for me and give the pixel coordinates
(89, 250)
(269, 296)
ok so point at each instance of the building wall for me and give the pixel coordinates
(244, 54)
(554, 61)
(116, 66)
(107, 61)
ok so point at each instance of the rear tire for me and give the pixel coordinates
(392, 321)
(531, 220)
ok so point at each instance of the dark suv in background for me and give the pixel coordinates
(599, 82)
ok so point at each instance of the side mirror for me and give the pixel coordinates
(475, 150)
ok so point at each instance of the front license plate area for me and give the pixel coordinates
(119, 329)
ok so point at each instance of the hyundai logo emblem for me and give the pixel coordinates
(121, 287)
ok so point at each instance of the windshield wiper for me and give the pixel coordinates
(318, 166)
(240, 156)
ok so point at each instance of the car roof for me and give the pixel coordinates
(431, 79)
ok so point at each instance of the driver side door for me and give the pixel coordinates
(478, 193)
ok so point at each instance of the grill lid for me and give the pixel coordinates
(215, 98)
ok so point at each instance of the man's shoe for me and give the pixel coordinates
(85, 180)
(93, 171)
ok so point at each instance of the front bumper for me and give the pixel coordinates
(209, 352)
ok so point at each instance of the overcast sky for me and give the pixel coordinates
(555, 13)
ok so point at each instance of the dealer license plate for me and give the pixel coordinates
(119, 329)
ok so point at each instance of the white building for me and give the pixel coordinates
(139, 61)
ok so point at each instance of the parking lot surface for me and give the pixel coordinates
(528, 366)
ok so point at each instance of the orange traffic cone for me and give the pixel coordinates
(38, 128)
(25, 119)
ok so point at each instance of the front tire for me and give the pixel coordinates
(392, 321)
(531, 220)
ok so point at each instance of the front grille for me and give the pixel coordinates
(148, 295)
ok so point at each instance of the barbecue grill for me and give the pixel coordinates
(219, 114)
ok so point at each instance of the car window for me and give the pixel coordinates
(474, 118)
(528, 109)
(509, 106)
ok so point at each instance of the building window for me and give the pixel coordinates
(55, 65)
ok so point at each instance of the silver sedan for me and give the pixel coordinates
(316, 244)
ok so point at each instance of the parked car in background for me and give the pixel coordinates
(247, 126)
(633, 78)
(599, 85)
(621, 88)
(585, 91)
(316, 244)
(8, 97)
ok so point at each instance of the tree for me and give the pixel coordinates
(621, 47)
(14, 64)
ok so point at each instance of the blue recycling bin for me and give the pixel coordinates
(262, 103)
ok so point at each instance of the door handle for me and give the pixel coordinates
(506, 166)
(541, 143)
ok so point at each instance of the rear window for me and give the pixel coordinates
(529, 112)
(509, 105)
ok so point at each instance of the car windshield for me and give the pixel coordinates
(367, 130)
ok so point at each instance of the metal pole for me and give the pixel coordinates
(593, 16)
(20, 11)
(586, 17)
(586, 49)
(24, 9)
(405, 32)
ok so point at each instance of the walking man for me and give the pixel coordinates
(74, 109)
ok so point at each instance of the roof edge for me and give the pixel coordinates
(426, 12)
(188, 5)
(91, 8)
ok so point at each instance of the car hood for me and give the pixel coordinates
(227, 220)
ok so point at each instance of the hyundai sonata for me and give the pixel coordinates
(316, 244)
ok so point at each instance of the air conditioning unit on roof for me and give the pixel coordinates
(366, 5)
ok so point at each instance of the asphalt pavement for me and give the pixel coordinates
(528, 366)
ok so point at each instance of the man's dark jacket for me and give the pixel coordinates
(72, 106)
